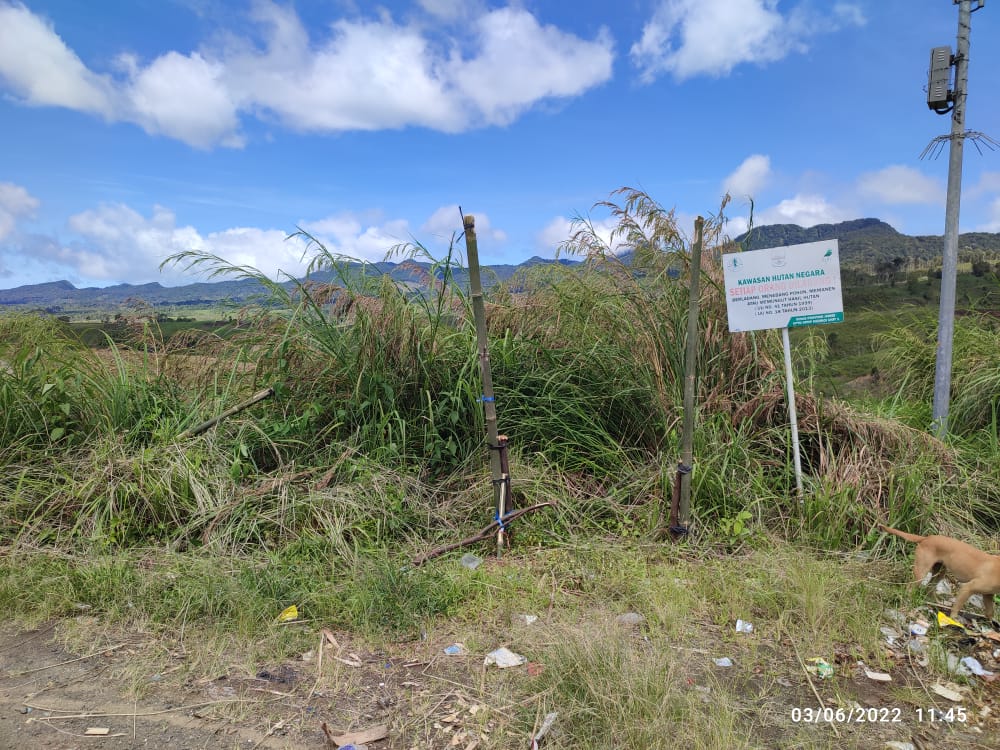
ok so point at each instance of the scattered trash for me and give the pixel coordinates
(288, 614)
(915, 646)
(891, 635)
(821, 667)
(742, 626)
(877, 676)
(943, 587)
(547, 722)
(724, 661)
(894, 745)
(896, 616)
(309, 655)
(956, 667)
(455, 649)
(471, 561)
(503, 657)
(630, 618)
(973, 665)
(352, 661)
(944, 621)
(919, 627)
(97, 731)
(524, 619)
(352, 746)
(950, 691)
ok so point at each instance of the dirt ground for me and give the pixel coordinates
(139, 692)
(50, 698)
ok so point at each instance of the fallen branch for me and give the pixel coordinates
(482, 536)
(69, 661)
(198, 429)
(132, 713)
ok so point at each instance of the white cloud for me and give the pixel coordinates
(559, 230)
(896, 185)
(449, 9)
(806, 210)
(688, 38)
(735, 226)
(40, 69)
(116, 243)
(360, 75)
(183, 97)
(521, 62)
(361, 237)
(447, 220)
(989, 183)
(749, 177)
(993, 222)
(15, 203)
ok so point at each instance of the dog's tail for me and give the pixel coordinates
(915, 538)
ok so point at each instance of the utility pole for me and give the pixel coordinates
(938, 101)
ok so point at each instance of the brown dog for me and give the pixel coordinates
(978, 572)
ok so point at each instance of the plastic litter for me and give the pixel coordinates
(943, 587)
(288, 614)
(820, 667)
(894, 745)
(724, 661)
(503, 657)
(742, 626)
(877, 676)
(471, 561)
(944, 621)
(524, 619)
(947, 691)
(918, 628)
(955, 666)
(891, 635)
(547, 722)
(455, 649)
(896, 616)
(973, 665)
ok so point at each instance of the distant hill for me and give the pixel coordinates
(60, 296)
(866, 241)
(862, 242)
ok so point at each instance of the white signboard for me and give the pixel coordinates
(783, 287)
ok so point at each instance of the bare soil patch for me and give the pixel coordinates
(148, 692)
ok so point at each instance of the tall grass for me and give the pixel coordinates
(907, 356)
(375, 435)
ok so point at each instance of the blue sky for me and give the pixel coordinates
(134, 130)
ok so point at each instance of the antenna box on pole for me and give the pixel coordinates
(939, 79)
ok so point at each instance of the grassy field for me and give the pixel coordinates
(371, 451)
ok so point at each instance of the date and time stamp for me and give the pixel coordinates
(862, 715)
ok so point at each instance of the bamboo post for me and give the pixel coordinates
(679, 526)
(198, 429)
(496, 446)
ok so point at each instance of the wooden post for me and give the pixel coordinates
(501, 483)
(680, 528)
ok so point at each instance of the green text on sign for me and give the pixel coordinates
(815, 320)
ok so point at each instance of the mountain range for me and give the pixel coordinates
(862, 242)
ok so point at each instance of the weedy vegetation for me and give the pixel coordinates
(372, 450)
